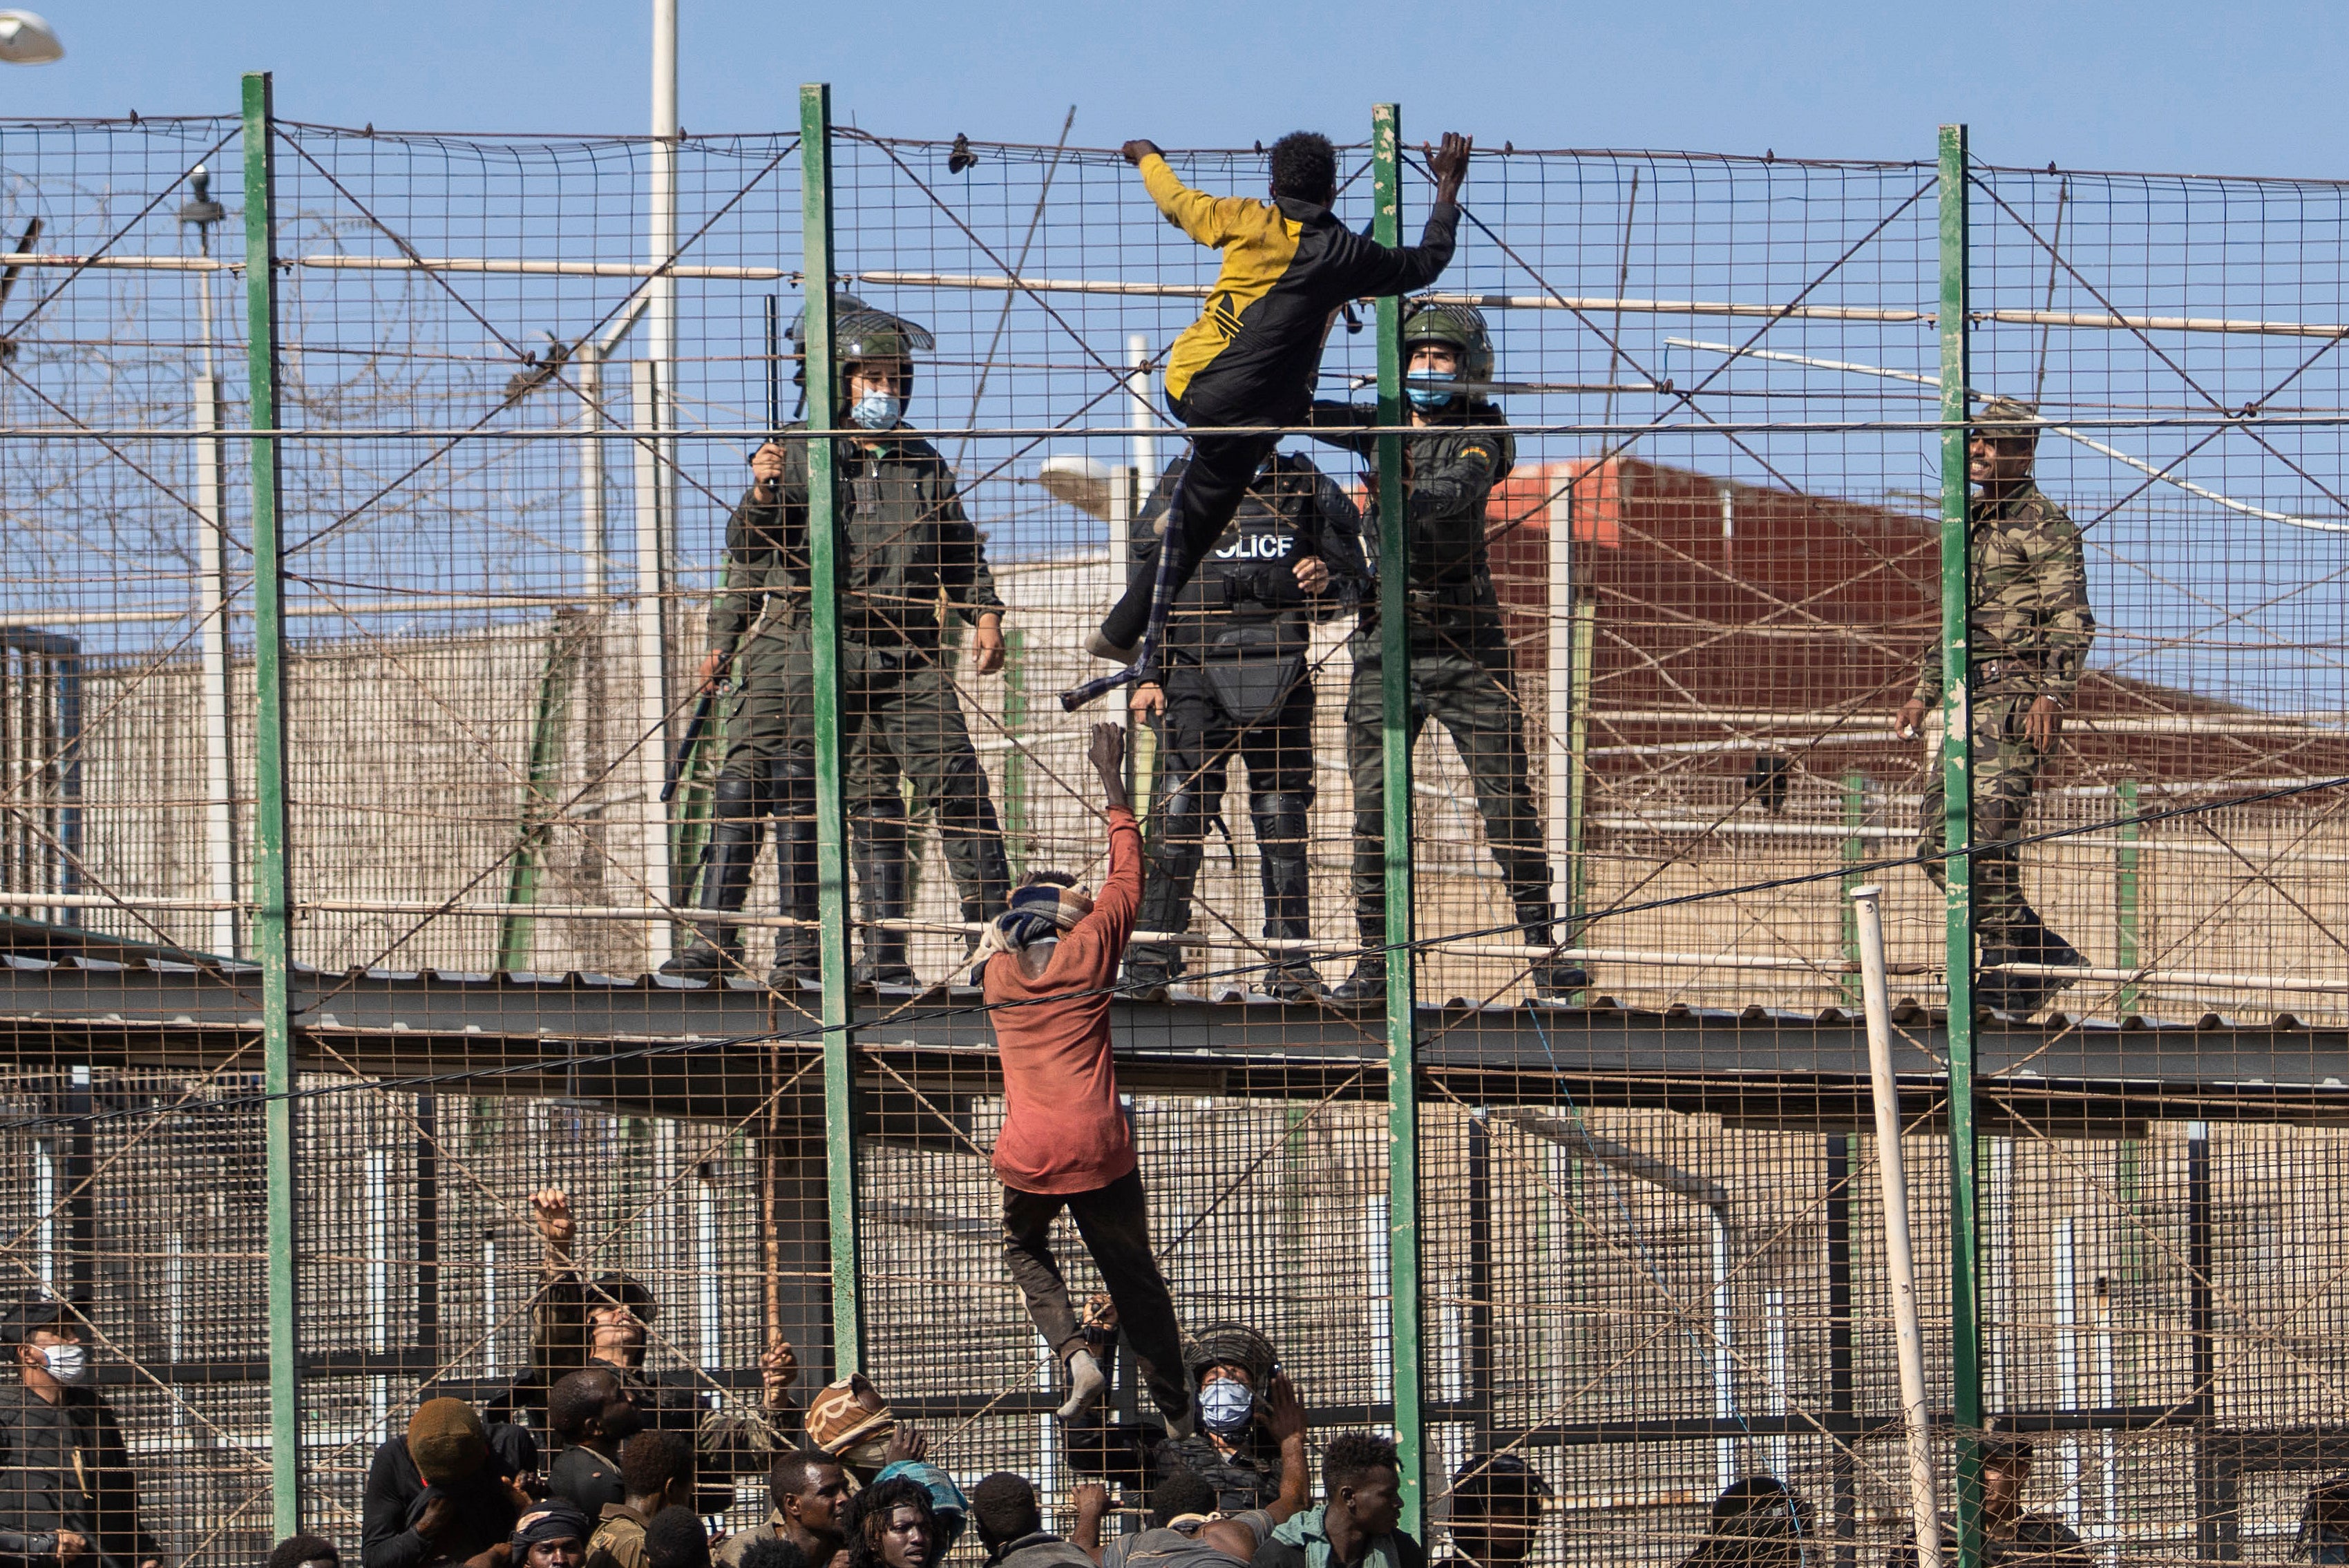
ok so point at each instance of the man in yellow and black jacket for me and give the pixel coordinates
(1251, 358)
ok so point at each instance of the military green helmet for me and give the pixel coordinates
(1228, 1344)
(862, 332)
(1462, 327)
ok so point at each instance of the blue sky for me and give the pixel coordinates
(2235, 88)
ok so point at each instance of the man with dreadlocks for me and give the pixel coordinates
(1051, 960)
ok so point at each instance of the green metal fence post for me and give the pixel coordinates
(830, 815)
(273, 917)
(2128, 932)
(1394, 654)
(1957, 776)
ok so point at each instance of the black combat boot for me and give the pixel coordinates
(1169, 873)
(1279, 821)
(1552, 978)
(717, 947)
(1367, 983)
(2027, 941)
(799, 950)
(882, 871)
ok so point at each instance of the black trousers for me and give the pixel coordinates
(1199, 739)
(1115, 1220)
(1204, 500)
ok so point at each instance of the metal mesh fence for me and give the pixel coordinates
(1636, 1240)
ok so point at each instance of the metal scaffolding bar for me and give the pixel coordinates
(831, 817)
(273, 919)
(1394, 673)
(1957, 773)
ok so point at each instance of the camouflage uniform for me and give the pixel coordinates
(1461, 675)
(909, 553)
(2028, 635)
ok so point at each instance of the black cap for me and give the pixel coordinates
(618, 1289)
(33, 1313)
(1757, 1505)
(1488, 1474)
(2004, 1449)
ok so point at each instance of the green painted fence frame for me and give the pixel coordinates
(273, 917)
(830, 816)
(1394, 688)
(1957, 776)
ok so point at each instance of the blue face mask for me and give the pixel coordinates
(1225, 1406)
(1429, 393)
(876, 411)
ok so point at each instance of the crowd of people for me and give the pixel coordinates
(609, 1465)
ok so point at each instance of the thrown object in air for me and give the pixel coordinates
(1078, 481)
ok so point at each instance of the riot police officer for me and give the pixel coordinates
(906, 549)
(1232, 680)
(1460, 668)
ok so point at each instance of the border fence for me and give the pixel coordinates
(359, 783)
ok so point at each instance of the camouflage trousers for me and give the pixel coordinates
(1470, 690)
(2006, 769)
(899, 718)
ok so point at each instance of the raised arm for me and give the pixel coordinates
(1372, 269)
(1106, 752)
(1284, 1418)
(1210, 220)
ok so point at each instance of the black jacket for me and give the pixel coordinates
(65, 1467)
(397, 1494)
(1293, 510)
(907, 547)
(1449, 471)
(1141, 1455)
(1253, 355)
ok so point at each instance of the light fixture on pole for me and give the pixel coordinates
(26, 39)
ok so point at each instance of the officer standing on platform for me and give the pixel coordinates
(1460, 668)
(2028, 634)
(1234, 679)
(907, 551)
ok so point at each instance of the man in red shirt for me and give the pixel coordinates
(1065, 1141)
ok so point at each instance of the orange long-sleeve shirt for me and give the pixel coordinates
(1063, 1131)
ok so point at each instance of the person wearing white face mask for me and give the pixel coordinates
(66, 1491)
(911, 565)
